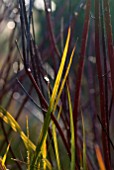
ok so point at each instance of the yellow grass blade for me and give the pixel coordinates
(5, 155)
(2, 160)
(7, 118)
(44, 154)
(44, 131)
(2, 167)
(64, 79)
(56, 142)
(72, 164)
(59, 75)
(28, 151)
(48, 164)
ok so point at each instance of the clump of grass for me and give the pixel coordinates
(71, 127)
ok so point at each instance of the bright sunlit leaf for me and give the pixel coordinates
(44, 131)
(59, 75)
(64, 79)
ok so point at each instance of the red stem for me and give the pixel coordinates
(81, 67)
(108, 27)
(52, 36)
(101, 85)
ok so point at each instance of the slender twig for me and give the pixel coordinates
(32, 100)
(16, 42)
(105, 132)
